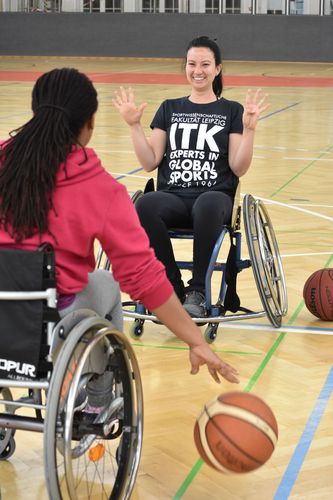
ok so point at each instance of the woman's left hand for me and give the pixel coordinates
(255, 104)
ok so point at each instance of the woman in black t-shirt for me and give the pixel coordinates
(201, 144)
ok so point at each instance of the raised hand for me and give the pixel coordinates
(203, 355)
(124, 101)
(255, 104)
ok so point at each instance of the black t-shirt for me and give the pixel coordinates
(196, 157)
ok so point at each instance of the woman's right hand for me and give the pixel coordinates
(124, 101)
(202, 354)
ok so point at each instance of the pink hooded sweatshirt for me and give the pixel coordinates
(88, 205)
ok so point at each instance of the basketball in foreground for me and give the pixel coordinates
(236, 432)
(318, 294)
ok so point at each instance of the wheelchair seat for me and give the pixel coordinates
(57, 361)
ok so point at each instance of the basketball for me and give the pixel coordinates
(236, 432)
(318, 294)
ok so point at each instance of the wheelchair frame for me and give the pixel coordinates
(84, 454)
(264, 259)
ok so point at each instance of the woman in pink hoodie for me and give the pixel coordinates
(54, 189)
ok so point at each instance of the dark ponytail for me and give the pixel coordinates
(205, 41)
(63, 100)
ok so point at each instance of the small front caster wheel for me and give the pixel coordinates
(8, 450)
(136, 329)
(211, 333)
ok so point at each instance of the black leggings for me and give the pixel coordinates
(206, 214)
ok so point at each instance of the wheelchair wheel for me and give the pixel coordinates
(136, 195)
(91, 454)
(265, 260)
(7, 443)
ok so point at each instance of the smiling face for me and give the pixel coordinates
(201, 68)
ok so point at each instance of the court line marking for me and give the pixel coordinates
(180, 348)
(242, 325)
(287, 148)
(286, 329)
(310, 205)
(307, 159)
(280, 110)
(179, 79)
(308, 254)
(299, 173)
(296, 207)
(290, 476)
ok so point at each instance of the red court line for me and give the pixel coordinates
(174, 79)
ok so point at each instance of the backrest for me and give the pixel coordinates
(27, 311)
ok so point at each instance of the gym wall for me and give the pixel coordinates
(241, 37)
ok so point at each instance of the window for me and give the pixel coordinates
(171, 6)
(113, 6)
(233, 6)
(150, 6)
(91, 6)
(212, 7)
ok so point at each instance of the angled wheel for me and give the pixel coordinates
(265, 259)
(93, 452)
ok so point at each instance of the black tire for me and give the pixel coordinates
(265, 259)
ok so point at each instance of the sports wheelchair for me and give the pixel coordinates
(264, 259)
(86, 455)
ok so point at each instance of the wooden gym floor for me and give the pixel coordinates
(290, 368)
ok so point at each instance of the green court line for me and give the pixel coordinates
(300, 173)
(151, 346)
(195, 469)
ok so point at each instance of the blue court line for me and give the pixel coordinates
(295, 464)
(279, 111)
(128, 173)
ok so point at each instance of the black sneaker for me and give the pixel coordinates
(194, 304)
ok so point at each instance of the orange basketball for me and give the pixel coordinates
(318, 294)
(236, 432)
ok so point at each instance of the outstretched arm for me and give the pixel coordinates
(241, 145)
(149, 153)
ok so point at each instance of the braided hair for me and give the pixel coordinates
(63, 100)
(205, 41)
